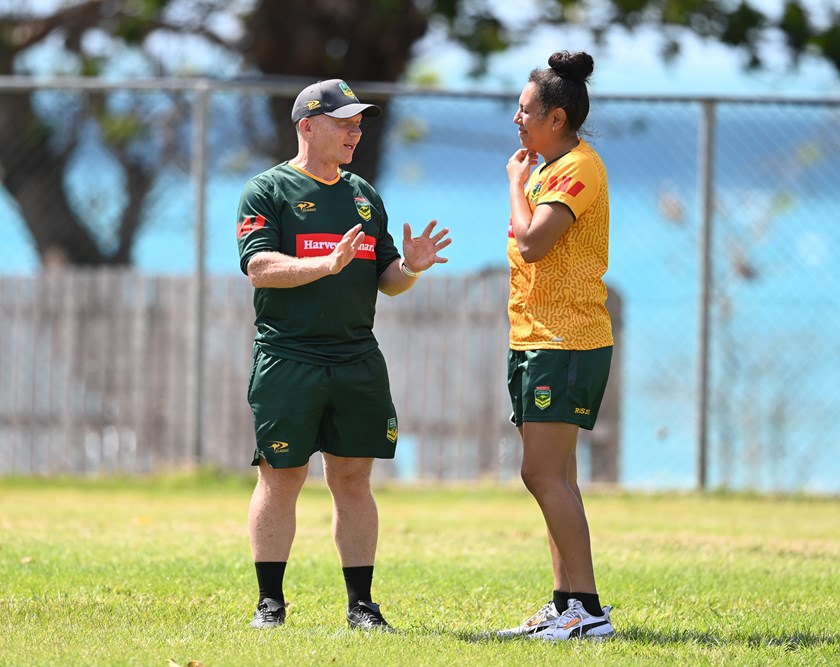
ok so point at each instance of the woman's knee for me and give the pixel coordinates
(535, 479)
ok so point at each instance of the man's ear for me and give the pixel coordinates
(305, 125)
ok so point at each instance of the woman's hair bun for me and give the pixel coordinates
(575, 66)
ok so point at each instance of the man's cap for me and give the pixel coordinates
(332, 98)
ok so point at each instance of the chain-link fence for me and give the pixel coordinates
(724, 248)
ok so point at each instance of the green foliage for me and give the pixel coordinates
(140, 571)
(449, 9)
(92, 66)
(632, 12)
(796, 26)
(137, 19)
(131, 29)
(828, 42)
(484, 36)
(388, 8)
(480, 29)
(742, 25)
(121, 129)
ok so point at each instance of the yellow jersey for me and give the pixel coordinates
(558, 302)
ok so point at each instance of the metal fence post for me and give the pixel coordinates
(707, 158)
(198, 172)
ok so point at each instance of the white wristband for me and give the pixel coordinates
(407, 271)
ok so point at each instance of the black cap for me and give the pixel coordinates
(332, 98)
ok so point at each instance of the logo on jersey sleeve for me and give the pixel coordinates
(392, 430)
(363, 207)
(249, 224)
(542, 397)
(565, 184)
(320, 245)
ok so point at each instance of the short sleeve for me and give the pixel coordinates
(257, 222)
(574, 182)
(386, 249)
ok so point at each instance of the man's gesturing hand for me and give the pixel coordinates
(421, 252)
(346, 249)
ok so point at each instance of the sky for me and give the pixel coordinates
(629, 63)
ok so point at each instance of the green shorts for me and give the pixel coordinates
(558, 385)
(303, 408)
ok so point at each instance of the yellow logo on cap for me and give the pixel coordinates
(313, 104)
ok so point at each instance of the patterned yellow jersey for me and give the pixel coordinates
(557, 303)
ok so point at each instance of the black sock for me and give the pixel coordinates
(561, 600)
(358, 581)
(590, 602)
(270, 580)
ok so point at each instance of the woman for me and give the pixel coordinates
(560, 331)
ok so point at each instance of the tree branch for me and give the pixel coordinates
(28, 33)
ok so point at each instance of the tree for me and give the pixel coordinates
(359, 40)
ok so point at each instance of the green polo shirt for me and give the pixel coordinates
(328, 321)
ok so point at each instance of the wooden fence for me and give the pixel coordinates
(95, 377)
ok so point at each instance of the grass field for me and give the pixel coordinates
(140, 572)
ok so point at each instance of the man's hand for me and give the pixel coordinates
(346, 249)
(421, 252)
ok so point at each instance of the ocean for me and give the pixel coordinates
(775, 399)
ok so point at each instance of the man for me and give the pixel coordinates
(314, 241)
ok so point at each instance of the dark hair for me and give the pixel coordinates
(563, 85)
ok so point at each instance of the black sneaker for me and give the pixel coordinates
(269, 614)
(366, 616)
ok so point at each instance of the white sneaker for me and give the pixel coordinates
(577, 623)
(545, 618)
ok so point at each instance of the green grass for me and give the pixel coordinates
(138, 572)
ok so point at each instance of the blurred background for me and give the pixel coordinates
(127, 130)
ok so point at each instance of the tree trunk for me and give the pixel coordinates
(33, 173)
(366, 40)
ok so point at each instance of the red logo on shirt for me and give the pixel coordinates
(319, 245)
(249, 224)
(565, 184)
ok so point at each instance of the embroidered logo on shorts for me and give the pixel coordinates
(542, 397)
(391, 434)
(280, 447)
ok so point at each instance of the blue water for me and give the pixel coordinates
(777, 178)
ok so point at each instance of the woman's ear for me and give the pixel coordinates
(558, 119)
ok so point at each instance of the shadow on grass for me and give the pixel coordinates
(475, 637)
(792, 642)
